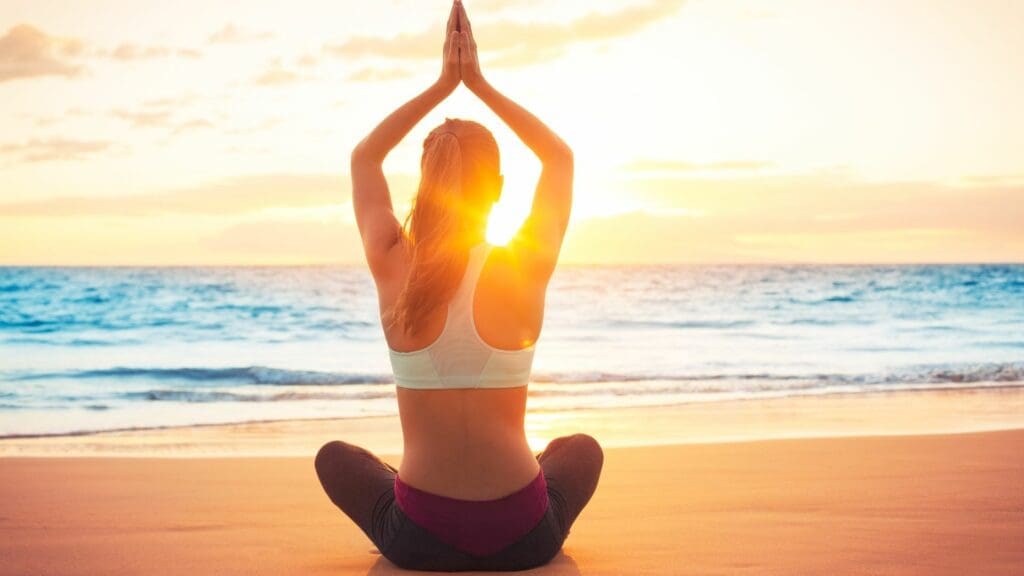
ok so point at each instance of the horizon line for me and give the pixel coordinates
(652, 264)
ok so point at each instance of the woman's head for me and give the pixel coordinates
(460, 182)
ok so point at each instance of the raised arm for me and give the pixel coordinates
(371, 199)
(540, 238)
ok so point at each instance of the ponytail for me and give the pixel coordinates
(459, 184)
(432, 225)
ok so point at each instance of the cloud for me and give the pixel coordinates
(27, 52)
(276, 75)
(993, 179)
(513, 43)
(231, 196)
(171, 101)
(135, 52)
(815, 217)
(263, 126)
(291, 241)
(649, 165)
(499, 5)
(524, 56)
(53, 149)
(43, 121)
(192, 125)
(156, 112)
(377, 74)
(131, 52)
(290, 218)
(829, 203)
(144, 119)
(231, 34)
(655, 238)
(306, 60)
(758, 14)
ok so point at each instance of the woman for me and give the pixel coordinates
(461, 318)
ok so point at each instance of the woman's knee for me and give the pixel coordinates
(581, 453)
(587, 443)
(586, 448)
(327, 455)
(332, 457)
(575, 440)
(590, 455)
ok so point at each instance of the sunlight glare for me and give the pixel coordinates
(521, 171)
(504, 221)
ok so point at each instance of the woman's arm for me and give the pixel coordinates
(371, 199)
(542, 233)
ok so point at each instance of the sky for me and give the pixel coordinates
(137, 132)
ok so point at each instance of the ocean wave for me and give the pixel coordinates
(38, 325)
(984, 373)
(599, 377)
(258, 375)
(200, 396)
(14, 287)
(999, 372)
(266, 376)
(71, 342)
(673, 387)
(838, 300)
(682, 324)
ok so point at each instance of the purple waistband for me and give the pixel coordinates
(477, 527)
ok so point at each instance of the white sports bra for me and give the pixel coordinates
(459, 358)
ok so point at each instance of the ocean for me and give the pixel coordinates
(91, 349)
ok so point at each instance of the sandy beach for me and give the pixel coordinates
(927, 503)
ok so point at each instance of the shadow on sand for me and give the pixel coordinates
(561, 565)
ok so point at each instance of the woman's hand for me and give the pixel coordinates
(470, 64)
(451, 73)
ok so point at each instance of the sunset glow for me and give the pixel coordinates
(725, 131)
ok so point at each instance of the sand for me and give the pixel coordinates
(926, 504)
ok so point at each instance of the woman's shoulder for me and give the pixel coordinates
(510, 271)
(525, 260)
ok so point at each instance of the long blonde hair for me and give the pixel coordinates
(460, 182)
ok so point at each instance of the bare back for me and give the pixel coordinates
(470, 443)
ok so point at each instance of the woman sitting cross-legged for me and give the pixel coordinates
(461, 318)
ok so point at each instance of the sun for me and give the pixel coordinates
(502, 224)
(521, 171)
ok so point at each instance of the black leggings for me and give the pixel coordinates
(362, 486)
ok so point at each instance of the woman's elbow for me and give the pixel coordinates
(363, 153)
(560, 154)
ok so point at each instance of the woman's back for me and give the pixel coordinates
(470, 442)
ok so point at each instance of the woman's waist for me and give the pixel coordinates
(469, 470)
(444, 417)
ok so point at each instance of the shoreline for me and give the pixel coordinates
(981, 386)
(882, 413)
